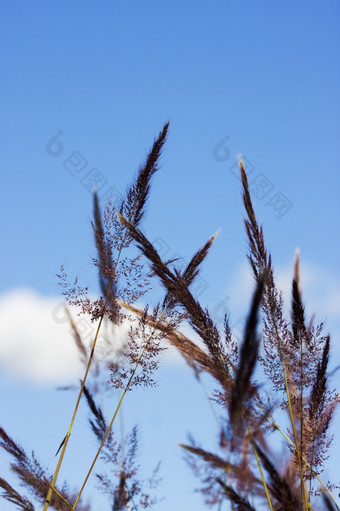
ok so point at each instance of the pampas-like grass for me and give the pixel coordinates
(294, 355)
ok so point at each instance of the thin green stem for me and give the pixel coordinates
(68, 434)
(54, 480)
(110, 426)
(277, 427)
(297, 449)
(57, 493)
(258, 461)
(115, 415)
(298, 453)
(301, 407)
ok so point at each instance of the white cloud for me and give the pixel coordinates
(36, 341)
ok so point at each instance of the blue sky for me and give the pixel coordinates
(257, 79)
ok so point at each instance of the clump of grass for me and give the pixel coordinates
(294, 357)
